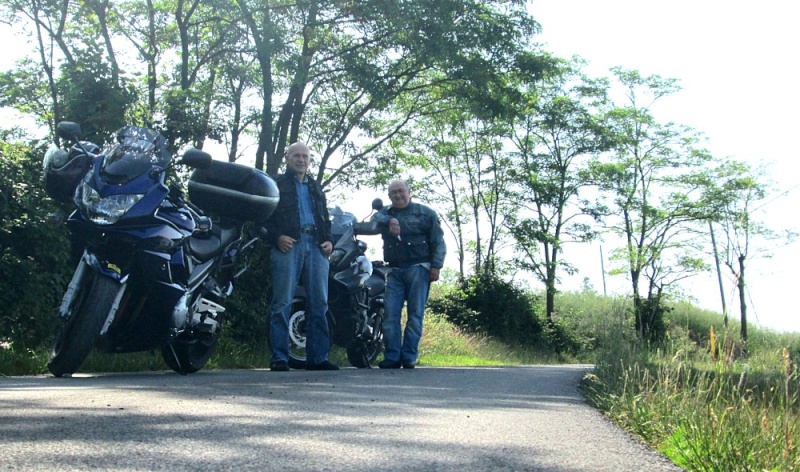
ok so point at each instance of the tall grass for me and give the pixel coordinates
(446, 345)
(704, 414)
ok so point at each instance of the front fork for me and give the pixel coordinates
(90, 262)
(72, 288)
(365, 330)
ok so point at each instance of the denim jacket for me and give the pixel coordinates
(421, 237)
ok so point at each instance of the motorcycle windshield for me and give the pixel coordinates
(137, 150)
(341, 222)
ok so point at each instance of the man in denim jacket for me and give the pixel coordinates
(413, 245)
(300, 232)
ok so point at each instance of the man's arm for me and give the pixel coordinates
(436, 238)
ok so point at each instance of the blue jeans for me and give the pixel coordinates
(408, 284)
(304, 262)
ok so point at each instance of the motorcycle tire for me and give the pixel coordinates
(361, 355)
(297, 334)
(364, 351)
(187, 357)
(81, 331)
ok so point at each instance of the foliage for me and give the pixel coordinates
(22, 89)
(331, 73)
(33, 249)
(705, 414)
(489, 305)
(89, 96)
(465, 171)
(651, 182)
(732, 197)
(555, 130)
(247, 311)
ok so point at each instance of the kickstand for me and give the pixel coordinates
(182, 371)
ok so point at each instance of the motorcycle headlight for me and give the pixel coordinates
(362, 265)
(54, 158)
(104, 211)
(336, 256)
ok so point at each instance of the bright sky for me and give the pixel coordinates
(737, 64)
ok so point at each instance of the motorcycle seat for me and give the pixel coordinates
(212, 243)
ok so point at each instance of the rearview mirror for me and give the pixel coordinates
(68, 130)
(197, 159)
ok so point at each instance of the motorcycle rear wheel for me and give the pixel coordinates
(187, 357)
(81, 331)
(362, 355)
(297, 335)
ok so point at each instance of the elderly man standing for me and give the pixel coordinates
(300, 231)
(413, 245)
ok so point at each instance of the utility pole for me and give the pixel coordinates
(603, 268)
(719, 275)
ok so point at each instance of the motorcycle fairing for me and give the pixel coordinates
(152, 188)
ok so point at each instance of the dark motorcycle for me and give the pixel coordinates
(154, 265)
(355, 296)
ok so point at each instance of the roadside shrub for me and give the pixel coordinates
(34, 251)
(487, 304)
(247, 310)
(565, 340)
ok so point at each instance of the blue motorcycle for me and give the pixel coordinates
(155, 265)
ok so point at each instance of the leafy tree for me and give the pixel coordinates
(349, 63)
(652, 181)
(733, 195)
(83, 83)
(91, 97)
(465, 170)
(554, 129)
(333, 72)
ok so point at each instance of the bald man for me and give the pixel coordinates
(300, 232)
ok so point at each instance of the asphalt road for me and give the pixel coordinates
(426, 419)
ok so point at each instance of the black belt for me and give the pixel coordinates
(308, 230)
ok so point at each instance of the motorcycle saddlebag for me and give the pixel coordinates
(233, 191)
(60, 181)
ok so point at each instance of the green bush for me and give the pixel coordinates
(489, 305)
(34, 250)
(247, 311)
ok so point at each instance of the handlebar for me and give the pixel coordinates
(367, 228)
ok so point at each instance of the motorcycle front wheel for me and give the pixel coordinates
(81, 331)
(363, 351)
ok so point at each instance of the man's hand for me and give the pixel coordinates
(394, 227)
(327, 248)
(285, 243)
(433, 274)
